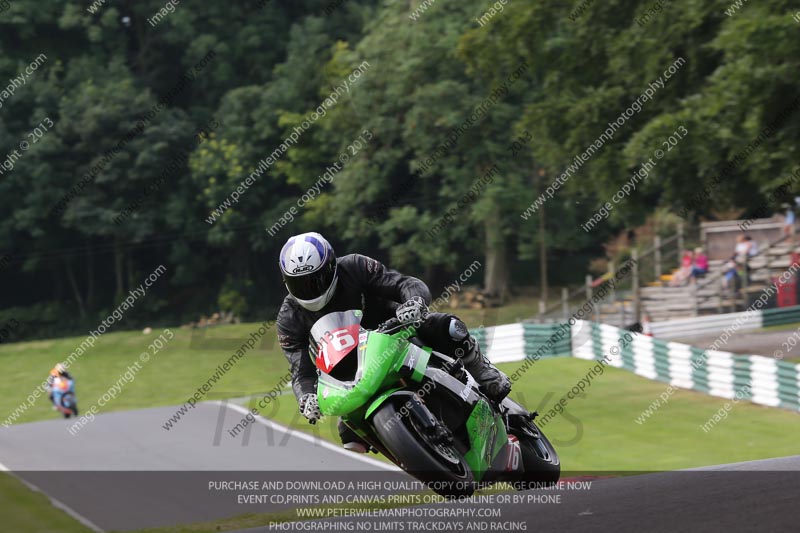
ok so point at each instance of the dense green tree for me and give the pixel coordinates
(453, 120)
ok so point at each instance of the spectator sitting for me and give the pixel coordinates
(753, 246)
(746, 248)
(742, 250)
(731, 278)
(685, 271)
(700, 266)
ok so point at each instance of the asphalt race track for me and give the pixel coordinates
(755, 496)
(124, 471)
(766, 343)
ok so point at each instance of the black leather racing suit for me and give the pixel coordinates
(366, 284)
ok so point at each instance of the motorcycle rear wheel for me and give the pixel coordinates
(540, 460)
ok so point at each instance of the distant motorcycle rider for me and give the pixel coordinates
(319, 283)
(58, 371)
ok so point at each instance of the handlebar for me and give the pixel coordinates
(389, 326)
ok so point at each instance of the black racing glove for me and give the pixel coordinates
(414, 311)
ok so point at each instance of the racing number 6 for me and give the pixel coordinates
(342, 339)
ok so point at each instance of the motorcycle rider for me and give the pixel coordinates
(320, 283)
(58, 371)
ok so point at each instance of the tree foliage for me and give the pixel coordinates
(231, 81)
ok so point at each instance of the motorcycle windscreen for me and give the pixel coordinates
(335, 336)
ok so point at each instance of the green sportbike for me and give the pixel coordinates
(424, 411)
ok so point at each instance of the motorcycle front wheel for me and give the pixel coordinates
(439, 465)
(69, 404)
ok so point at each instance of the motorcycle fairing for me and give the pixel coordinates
(487, 436)
(374, 374)
(335, 337)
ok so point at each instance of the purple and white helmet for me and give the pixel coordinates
(308, 266)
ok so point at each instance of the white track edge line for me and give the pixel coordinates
(58, 504)
(308, 438)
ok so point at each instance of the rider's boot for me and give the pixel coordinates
(493, 382)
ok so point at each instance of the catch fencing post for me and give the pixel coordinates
(657, 256)
(589, 290)
(637, 310)
(612, 271)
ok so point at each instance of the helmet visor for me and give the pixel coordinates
(313, 285)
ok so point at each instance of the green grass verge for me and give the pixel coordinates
(168, 378)
(602, 432)
(24, 510)
(599, 431)
(171, 375)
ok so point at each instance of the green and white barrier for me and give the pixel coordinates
(759, 379)
(780, 316)
(515, 342)
(715, 324)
